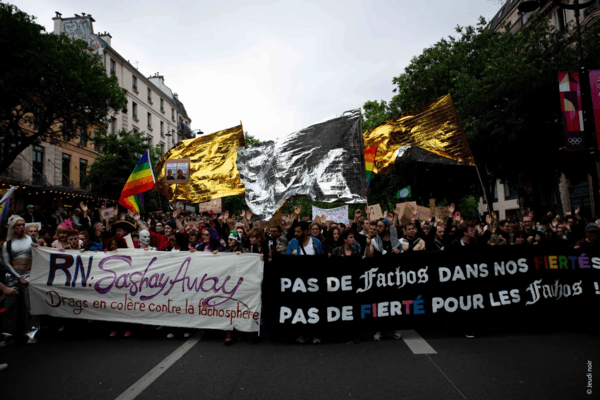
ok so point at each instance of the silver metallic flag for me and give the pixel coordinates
(325, 162)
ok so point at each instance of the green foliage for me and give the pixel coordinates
(251, 141)
(50, 80)
(505, 90)
(121, 152)
(467, 206)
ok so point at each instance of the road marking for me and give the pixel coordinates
(416, 343)
(157, 371)
(445, 376)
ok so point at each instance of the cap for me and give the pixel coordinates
(592, 227)
(235, 236)
(30, 206)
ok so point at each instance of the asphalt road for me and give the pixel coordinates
(83, 363)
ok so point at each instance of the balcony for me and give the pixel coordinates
(591, 9)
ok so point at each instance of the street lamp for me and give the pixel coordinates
(532, 5)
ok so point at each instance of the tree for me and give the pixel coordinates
(49, 82)
(121, 152)
(505, 88)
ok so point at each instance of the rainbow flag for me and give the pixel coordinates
(370, 154)
(5, 204)
(141, 180)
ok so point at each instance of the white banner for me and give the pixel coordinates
(338, 214)
(181, 289)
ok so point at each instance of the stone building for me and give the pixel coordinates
(51, 174)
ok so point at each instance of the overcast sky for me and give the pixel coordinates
(278, 66)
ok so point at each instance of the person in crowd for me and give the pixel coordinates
(83, 238)
(17, 258)
(277, 243)
(501, 236)
(410, 241)
(532, 237)
(209, 242)
(61, 239)
(33, 231)
(591, 243)
(193, 238)
(73, 238)
(333, 240)
(145, 241)
(257, 242)
(348, 249)
(30, 215)
(179, 242)
(304, 245)
(316, 230)
(234, 243)
(7, 291)
(465, 238)
(384, 242)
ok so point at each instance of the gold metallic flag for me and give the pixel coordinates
(213, 171)
(433, 127)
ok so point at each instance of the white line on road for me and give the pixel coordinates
(416, 343)
(157, 371)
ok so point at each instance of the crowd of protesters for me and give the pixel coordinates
(361, 237)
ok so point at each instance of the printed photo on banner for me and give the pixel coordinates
(177, 171)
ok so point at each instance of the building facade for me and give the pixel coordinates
(573, 193)
(51, 175)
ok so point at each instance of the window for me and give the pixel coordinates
(150, 95)
(560, 16)
(82, 136)
(524, 18)
(82, 170)
(162, 148)
(511, 191)
(36, 119)
(113, 66)
(38, 165)
(162, 105)
(113, 126)
(96, 144)
(134, 110)
(162, 128)
(66, 169)
(149, 121)
(134, 82)
(173, 114)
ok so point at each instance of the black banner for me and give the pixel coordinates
(310, 294)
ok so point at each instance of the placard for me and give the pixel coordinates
(442, 213)
(375, 212)
(177, 171)
(338, 214)
(214, 205)
(275, 221)
(106, 213)
(424, 213)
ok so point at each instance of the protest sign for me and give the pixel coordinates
(275, 221)
(424, 213)
(374, 212)
(215, 205)
(129, 240)
(404, 212)
(106, 213)
(181, 289)
(505, 285)
(338, 214)
(442, 213)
